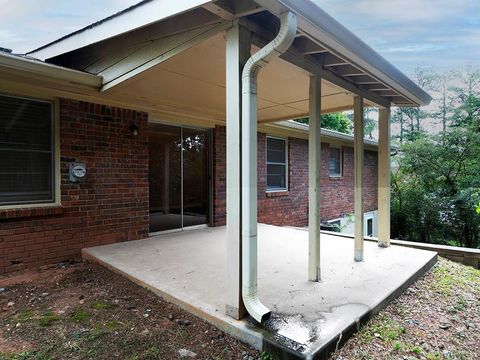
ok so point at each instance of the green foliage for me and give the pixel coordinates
(336, 121)
(435, 187)
(80, 315)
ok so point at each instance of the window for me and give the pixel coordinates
(276, 164)
(27, 164)
(334, 162)
(369, 224)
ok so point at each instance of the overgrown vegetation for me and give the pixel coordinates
(436, 182)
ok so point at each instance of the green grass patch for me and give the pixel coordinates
(25, 315)
(102, 305)
(48, 318)
(80, 315)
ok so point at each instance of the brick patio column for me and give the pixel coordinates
(237, 53)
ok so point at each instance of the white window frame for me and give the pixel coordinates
(274, 163)
(338, 147)
(56, 175)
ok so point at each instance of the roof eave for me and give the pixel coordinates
(314, 21)
(38, 68)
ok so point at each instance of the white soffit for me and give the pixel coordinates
(137, 16)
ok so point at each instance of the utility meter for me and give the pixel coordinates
(78, 172)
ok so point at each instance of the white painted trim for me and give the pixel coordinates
(23, 64)
(143, 14)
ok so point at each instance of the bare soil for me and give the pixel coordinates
(438, 317)
(83, 311)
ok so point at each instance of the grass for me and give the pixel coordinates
(48, 318)
(102, 305)
(80, 315)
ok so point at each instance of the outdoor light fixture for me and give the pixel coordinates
(133, 129)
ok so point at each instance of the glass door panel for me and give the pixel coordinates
(195, 177)
(165, 177)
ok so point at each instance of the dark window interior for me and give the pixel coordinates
(276, 164)
(334, 161)
(26, 151)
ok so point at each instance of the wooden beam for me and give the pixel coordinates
(261, 36)
(307, 46)
(358, 174)
(314, 167)
(230, 10)
(384, 177)
(237, 54)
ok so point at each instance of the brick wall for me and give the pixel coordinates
(110, 206)
(291, 207)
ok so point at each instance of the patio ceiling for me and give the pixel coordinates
(175, 66)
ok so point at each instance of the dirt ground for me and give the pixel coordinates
(82, 311)
(438, 317)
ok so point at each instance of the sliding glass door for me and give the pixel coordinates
(179, 177)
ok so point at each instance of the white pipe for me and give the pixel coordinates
(281, 43)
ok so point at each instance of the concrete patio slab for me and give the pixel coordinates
(309, 319)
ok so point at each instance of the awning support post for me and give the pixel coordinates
(358, 170)
(384, 177)
(314, 166)
(237, 53)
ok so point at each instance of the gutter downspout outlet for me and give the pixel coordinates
(281, 43)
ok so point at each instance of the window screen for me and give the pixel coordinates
(26, 151)
(334, 162)
(276, 164)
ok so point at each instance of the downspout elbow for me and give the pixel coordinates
(281, 43)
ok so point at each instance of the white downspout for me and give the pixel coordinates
(281, 43)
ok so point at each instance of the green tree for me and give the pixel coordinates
(435, 188)
(335, 121)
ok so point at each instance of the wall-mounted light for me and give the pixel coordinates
(133, 129)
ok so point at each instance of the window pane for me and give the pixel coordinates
(276, 152)
(334, 162)
(276, 177)
(26, 154)
(370, 227)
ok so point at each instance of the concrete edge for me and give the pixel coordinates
(244, 333)
(339, 340)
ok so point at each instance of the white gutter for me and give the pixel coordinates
(315, 22)
(281, 43)
(35, 67)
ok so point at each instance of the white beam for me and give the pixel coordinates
(384, 178)
(358, 170)
(314, 166)
(237, 53)
(155, 53)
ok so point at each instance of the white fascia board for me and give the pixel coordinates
(21, 64)
(316, 23)
(291, 124)
(137, 16)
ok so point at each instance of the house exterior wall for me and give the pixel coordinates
(110, 206)
(290, 208)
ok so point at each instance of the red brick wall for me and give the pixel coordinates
(291, 207)
(110, 206)
(219, 176)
